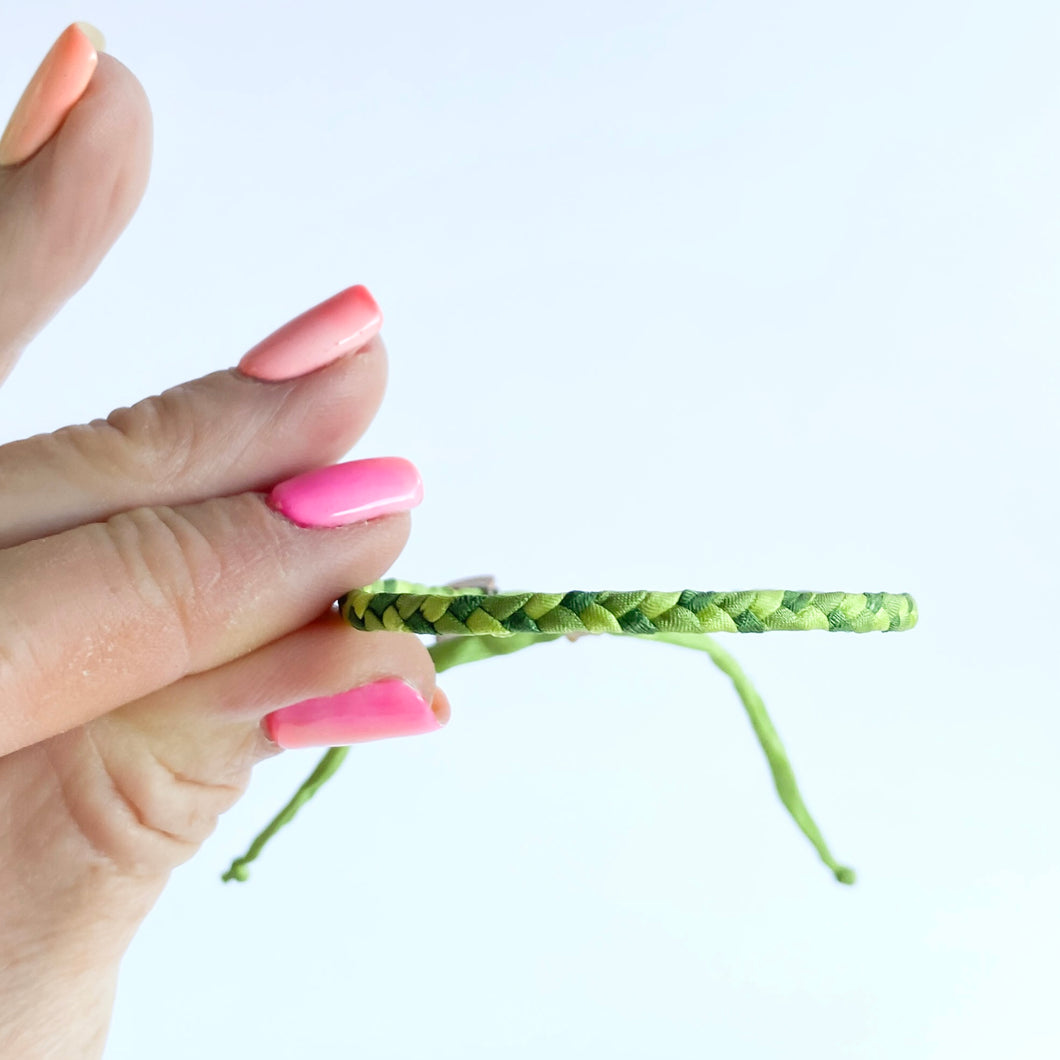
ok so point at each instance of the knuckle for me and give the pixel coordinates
(169, 562)
(156, 440)
(176, 807)
(135, 811)
(153, 442)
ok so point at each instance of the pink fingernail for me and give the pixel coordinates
(345, 322)
(349, 493)
(386, 708)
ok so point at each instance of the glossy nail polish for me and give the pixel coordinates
(349, 493)
(60, 81)
(342, 323)
(383, 709)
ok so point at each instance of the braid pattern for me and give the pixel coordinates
(401, 606)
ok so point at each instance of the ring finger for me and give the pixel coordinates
(177, 758)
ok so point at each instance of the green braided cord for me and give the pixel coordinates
(402, 606)
(462, 650)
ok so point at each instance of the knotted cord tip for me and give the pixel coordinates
(237, 871)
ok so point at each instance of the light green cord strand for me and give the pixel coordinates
(325, 769)
(463, 650)
(769, 739)
(445, 656)
(401, 606)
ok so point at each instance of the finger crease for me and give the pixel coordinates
(182, 778)
(123, 796)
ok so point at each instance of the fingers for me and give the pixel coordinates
(142, 785)
(223, 434)
(62, 207)
(154, 775)
(267, 693)
(105, 613)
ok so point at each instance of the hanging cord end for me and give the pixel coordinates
(237, 871)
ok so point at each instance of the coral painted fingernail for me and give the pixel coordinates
(345, 322)
(60, 81)
(386, 708)
(348, 493)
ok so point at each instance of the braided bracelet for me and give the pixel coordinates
(475, 611)
(471, 620)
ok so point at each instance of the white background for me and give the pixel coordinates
(706, 295)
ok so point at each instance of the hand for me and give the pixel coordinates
(160, 609)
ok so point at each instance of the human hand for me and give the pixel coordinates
(159, 607)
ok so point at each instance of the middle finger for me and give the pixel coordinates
(219, 435)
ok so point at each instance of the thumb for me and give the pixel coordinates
(74, 162)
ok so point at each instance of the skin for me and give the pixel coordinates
(124, 736)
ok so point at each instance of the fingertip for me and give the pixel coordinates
(86, 149)
(58, 83)
(342, 324)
